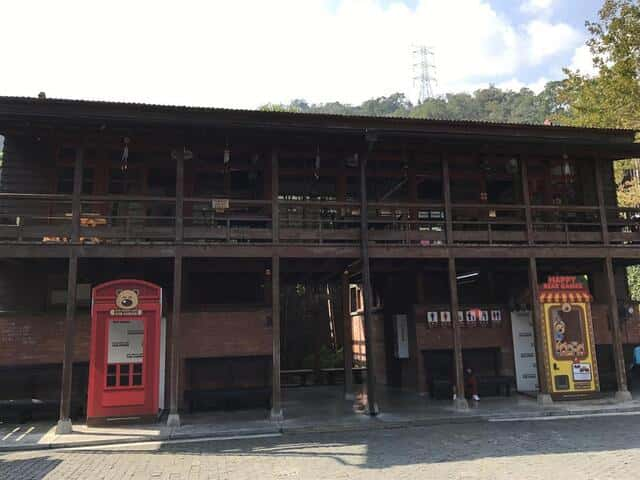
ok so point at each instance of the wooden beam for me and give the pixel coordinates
(372, 405)
(347, 347)
(276, 406)
(176, 356)
(64, 423)
(544, 373)
(601, 204)
(618, 353)
(460, 401)
(179, 195)
(77, 192)
(446, 192)
(275, 190)
(526, 199)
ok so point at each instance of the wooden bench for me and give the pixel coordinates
(228, 399)
(488, 386)
(295, 378)
(329, 376)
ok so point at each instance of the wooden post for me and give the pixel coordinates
(421, 379)
(623, 393)
(176, 360)
(275, 188)
(446, 191)
(76, 206)
(372, 405)
(347, 342)
(601, 204)
(176, 357)
(544, 375)
(526, 199)
(64, 425)
(276, 407)
(460, 400)
(179, 157)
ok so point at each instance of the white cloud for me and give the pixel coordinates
(516, 85)
(549, 39)
(583, 61)
(243, 53)
(536, 6)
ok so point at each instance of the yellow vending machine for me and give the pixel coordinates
(568, 333)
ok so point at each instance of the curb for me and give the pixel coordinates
(373, 424)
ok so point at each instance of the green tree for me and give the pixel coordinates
(612, 97)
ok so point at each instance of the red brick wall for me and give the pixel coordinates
(32, 339)
(359, 347)
(226, 333)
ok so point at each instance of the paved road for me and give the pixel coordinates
(591, 448)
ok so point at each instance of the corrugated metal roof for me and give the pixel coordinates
(267, 115)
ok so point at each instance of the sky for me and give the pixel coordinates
(245, 53)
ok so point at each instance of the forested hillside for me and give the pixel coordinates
(488, 104)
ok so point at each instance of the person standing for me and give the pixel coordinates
(634, 371)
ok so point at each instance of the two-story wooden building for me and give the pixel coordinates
(227, 210)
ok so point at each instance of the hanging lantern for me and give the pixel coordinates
(124, 160)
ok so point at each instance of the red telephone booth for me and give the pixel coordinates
(124, 368)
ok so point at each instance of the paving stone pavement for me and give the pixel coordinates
(579, 448)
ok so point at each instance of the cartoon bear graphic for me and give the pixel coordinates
(127, 299)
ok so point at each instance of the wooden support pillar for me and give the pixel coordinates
(526, 200)
(372, 405)
(76, 206)
(176, 359)
(460, 401)
(176, 355)
(179, 157)
(544, 375)
(275, 189)
(623, 393)
(347, 342)
(446, 191)
(421, 379)
(276, 407)
(64, 425)
(601, 204)
(420, 287)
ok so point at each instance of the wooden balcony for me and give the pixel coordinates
(120, 219)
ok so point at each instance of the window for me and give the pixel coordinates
(65, 180)
(122, 182)
(124, 375)
(567, 329)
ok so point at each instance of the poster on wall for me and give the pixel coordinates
(461, 318)
(471, 318)
(445, 318)
(496, 317)
(432, 319)
(484, 318)
(126, 339)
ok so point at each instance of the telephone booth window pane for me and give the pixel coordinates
(111, 369)
(111, 381)
(137, 380)
(567, 328)
(124, 380)
(137, 368)
(124, 369)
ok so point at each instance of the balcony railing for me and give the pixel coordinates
(113, 219)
